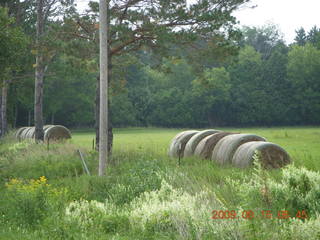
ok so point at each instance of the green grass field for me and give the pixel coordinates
(147, 195)
(302, 143)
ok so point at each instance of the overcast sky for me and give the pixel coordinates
(289, 15)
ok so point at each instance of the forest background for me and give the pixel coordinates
(255, 80)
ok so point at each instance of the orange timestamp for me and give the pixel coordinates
(264, 214)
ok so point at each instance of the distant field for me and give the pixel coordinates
(302, 143)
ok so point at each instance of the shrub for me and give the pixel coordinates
(178, 213)
(28, 203)
(96, 216)
(297, 190)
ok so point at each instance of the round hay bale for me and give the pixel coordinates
(45, 127)
(205, 146)
(56, 132)
(24, 133)
(31, 132)
(195, 139)
(180, 140)
(270, 155)
(19, 131)
(226, 147)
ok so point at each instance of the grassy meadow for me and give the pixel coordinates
(302, 143)
(45, 194)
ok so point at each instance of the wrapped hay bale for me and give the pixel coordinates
(50, 132)
(195, 139)
(205, 147)
(45, 127)
(19, 131)
(226, 147)
(56, 132)
(31, 132)
(270, 155)
(24, 133)
(179, 142)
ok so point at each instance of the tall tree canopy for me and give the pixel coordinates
(12, 45)
(133, 24)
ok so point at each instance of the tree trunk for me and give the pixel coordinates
(15, 116)
(39, 75)
(4, 95)
(97, 112)
(29, 118)
(0, 113)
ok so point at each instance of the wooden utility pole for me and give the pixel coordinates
(39, 75)
(103, 122)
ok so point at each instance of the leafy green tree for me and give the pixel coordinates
(304, 74)
(123, 113)
(263, 39)
(161, 23)
(246, 102)
(12, 45)
(46, 9)
(70, 89)
(211, 90)
(25, 98)
(277, 88)
(314, 36)
(301, 37)
(170, 94)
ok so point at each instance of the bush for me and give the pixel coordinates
(28, 203)
(297, 190)
(179, 214)
(96, 216)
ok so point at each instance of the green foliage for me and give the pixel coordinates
(12, 44)
(122, 111)
(246, 94)
(215, 81)
(303, 72)
(28, 203)
(301, 37)
(297, 190)
(263, 39)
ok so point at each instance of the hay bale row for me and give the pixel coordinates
(194, 141)
(205, 147)
(51, 132)
(179, 142)
(19, 131)
(228, 148)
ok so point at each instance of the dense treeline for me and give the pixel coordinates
(267, 83)
(259, 81)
